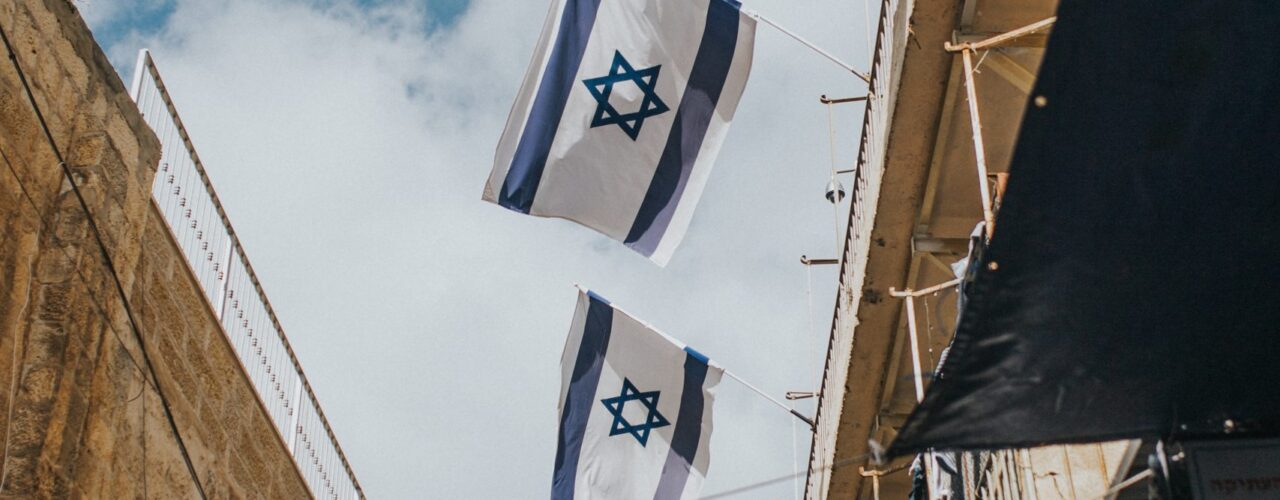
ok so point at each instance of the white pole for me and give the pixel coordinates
(893, 292)
(915, 348)
(919, 379)
(756, 15)
(780, 404)
(1127, 483)
(979, 150)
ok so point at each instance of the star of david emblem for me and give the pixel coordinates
(649, 400)
(621, 71)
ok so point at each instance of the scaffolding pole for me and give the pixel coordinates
(979, 150)
(917, 372)
(966, 51)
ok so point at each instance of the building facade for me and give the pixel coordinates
(123, 375)
(934, 156)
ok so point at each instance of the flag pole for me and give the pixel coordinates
(756, 15)
(780, 404)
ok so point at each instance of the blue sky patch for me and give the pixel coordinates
(147, 18)
(138, 16)
(440, 13)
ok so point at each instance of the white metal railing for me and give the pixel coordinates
(185, 197)
(886, 69)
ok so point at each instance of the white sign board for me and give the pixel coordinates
(1237, 470)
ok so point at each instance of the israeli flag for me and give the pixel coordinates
(621, 115)
(635, 410)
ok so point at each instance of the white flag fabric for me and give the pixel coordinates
(621, 115)
(635, 410)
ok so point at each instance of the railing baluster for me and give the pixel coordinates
(208, 243)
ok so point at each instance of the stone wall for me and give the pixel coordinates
(78, 417)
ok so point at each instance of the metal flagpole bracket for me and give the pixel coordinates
(841, 100)
(813, 427)
(804, 259)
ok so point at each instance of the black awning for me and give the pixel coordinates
(1132, 287)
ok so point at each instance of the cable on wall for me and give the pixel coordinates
(108, 262)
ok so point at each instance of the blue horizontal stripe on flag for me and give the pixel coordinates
(582, 389)
(525, 172)
(702, 94)
(688, 431)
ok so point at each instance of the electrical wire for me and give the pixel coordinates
(98, 307)
(14, 373)
(107, 262)
(779, 479)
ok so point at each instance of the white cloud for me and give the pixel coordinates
(350, 146)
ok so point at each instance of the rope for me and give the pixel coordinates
(107, 261)
(795, 460)
(835, 197)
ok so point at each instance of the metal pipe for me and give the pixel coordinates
(893, 292)
(979, 150)
(1002, 38)
(915, 348)
(1127, 483)
(919, 380)
(818, 262)
(841, 100)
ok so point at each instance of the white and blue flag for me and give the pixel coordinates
(621, 115)
(635, 410)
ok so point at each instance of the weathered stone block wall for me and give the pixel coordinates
(78, 417)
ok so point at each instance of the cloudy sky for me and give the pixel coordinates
(350, 141)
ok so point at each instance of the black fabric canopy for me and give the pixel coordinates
(1132, 287)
